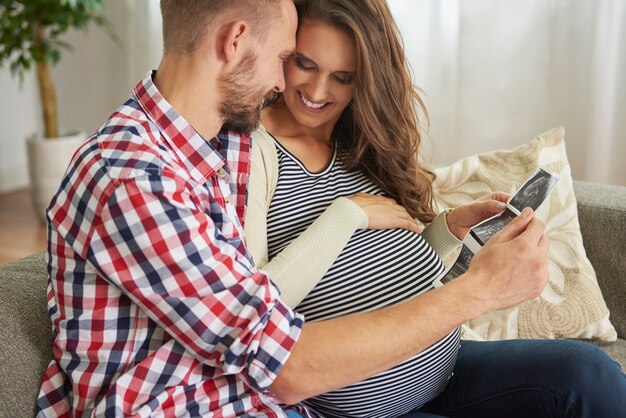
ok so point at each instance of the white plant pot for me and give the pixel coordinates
(47, 161)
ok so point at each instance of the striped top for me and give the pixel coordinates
(375, 269)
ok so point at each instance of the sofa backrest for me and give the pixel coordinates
(602, 217)
(25, 330)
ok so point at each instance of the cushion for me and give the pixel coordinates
(571, 305)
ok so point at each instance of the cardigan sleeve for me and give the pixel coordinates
(299, 266)
(438, 235)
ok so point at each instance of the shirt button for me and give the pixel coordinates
(227, 199)
(221, 172)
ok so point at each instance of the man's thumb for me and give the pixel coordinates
(516, 227)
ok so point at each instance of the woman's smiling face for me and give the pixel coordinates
(320, 76)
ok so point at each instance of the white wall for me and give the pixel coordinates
(17, 120)
(92, 81)
(495, 73)
(498, 72)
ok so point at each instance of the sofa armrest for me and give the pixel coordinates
(25, 332)
(602, 217)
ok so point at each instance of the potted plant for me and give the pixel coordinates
(31, 34)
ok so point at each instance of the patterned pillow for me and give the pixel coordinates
(571, 306)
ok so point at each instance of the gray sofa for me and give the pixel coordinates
(25, 336)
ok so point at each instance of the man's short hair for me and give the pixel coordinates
(185, 22)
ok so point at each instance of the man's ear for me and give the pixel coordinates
(234, 37)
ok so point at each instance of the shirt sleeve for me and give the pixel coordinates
(302, 264)
(438, 235)
(156, 243)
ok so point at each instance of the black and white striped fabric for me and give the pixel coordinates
(376, 268)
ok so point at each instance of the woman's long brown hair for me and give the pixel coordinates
(378, 133)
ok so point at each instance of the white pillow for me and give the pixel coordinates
(571, 306)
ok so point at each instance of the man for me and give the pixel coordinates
(156, 306)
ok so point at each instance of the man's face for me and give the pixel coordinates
(241, 107)
(259, 73)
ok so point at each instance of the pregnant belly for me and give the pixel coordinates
(397, 391)
(377, 269)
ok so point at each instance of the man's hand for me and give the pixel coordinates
(385, 213)
(512, 267)
(464, 217)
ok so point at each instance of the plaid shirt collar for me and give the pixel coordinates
(200, 158)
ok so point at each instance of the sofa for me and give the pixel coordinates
(25, 332)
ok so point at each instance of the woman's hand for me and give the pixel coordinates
(464, 217)
(385, 213)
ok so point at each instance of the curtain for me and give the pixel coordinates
(495, 73)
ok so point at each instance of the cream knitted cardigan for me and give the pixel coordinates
(300, 266)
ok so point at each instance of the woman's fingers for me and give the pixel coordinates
(385, 213)
(499, 196)
(489, 206)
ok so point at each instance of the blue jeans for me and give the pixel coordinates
(531, 378)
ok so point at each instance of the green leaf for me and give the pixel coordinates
(20, 44)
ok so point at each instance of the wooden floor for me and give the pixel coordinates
(21, 231)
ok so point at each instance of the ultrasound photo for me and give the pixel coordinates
(485, 230)
(531, 194)
(534, 191)
(460, 266)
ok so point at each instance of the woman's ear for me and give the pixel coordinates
(234, 37)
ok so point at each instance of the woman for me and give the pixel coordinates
(334, 192)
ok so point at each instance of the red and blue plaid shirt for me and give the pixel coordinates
(156, 306)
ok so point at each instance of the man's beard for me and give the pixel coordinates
(241, 107)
